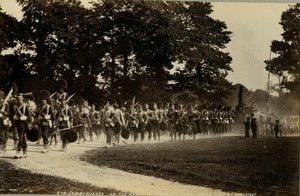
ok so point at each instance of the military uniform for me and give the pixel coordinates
(253, 124)
(5, 123)
(64, 118)
(83, 118)
(22, 120)
(95, 119)
(46, 119)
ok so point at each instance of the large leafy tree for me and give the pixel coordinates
(65, 42)
(139, 50)
(286, 64)
(127, 48)
(199, 47)
(9, 28)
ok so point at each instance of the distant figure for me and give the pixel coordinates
(253, 126)
(247, 127)
(277, 128)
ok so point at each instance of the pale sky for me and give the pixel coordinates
(254, 26)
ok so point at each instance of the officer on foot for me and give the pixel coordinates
(277, 128)
(253, 124)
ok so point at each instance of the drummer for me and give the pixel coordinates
(64, 120)
(46, 118)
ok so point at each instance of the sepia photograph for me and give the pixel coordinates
(149, 97)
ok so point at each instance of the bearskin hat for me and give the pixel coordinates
(101, 103)
(44, 95)
(2, 94)
(165, 104)
(8, 86)
(160, 104)
(62, 84)
(71, 102)
(79, 100)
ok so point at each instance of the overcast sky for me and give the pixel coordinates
(254, 26)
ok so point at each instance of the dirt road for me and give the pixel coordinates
(68, 165)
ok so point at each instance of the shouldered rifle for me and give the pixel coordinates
(6, 99)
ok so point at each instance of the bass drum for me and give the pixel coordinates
(125, 133)
(33, 134)
(71, 135)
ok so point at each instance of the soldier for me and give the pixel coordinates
(82, 118)
(101, 103)
(155, 120)
(64, 121)
(253, 126)
(4, 122)
(141, 118)
(172, 121)
(193, 120)
(277, 128)
(22, 120)
(118, 121)
(148, 125)
(205, 121)
(12, 101)
(53, 131)
(108, 123)
(247, 127)
(131, 122)
(95, 122)
(46, 118)
(60, 94)
(164, 116)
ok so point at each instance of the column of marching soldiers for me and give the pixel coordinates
(63, 118)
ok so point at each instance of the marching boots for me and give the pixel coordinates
(18, 154)
(45, 150)
(25, 153)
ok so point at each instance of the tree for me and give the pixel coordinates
(8, 39)
(199, 46)
(286, 65)
(127, 48)
(65, 42)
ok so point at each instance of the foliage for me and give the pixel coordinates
(286, 65)
(122, 49)
(9, 29)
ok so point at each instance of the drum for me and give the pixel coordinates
(125, 133)
(33, 134)
(71, 135)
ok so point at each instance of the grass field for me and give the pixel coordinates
(264, 166)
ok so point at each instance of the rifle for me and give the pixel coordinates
(6, 99)
(70, 98)
(52, 95)
(70, 127)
